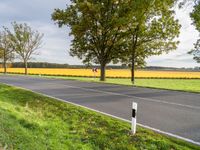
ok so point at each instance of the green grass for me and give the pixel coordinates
(188, 85)
(29, 121)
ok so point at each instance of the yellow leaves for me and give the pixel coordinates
(109, 73)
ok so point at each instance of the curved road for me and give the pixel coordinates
(176, 113)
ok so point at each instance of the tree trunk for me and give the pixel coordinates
(4, 62)
(5, 67)
(102, 77)
(26, 67)
(133, 69)
(134, 43)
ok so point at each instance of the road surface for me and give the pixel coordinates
(173, 112)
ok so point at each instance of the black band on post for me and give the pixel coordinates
(133, 113)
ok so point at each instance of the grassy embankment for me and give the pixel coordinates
(188, 85)
(31, 121)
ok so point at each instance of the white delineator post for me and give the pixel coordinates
(134, 121)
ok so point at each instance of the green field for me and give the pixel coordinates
(189, 85)
(29, 121)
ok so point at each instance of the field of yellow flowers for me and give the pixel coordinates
(116, 73)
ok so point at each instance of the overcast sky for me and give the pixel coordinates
(37, 13)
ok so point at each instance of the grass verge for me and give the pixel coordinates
(31, 121)
(187, 85)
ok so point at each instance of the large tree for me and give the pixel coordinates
(6, 49)
(152, 30)
(97, 28)
(195, 15)
(25, 41)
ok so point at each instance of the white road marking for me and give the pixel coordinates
(66, 94)
(78, 95)
(144, 126)
(141, 98)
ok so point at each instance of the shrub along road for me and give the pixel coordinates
(169, 111)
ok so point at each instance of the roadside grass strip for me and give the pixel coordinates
(30, 121)
(186, 85)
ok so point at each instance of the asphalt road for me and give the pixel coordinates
(169, 111)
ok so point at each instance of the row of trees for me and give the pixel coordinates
(119, 31)
(108, 31)
(21, 42)
(40, 65)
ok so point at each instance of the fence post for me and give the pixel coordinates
(134, 121)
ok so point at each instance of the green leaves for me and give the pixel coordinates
(95, 26)
(111, 31)
(195, 15)
(196, 51)
(25, 40)
(152, 31)
(6, 49)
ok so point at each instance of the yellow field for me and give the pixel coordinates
(109, 73)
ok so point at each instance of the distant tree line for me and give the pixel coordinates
(56, 65)
(39, 65)
(67, 66)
